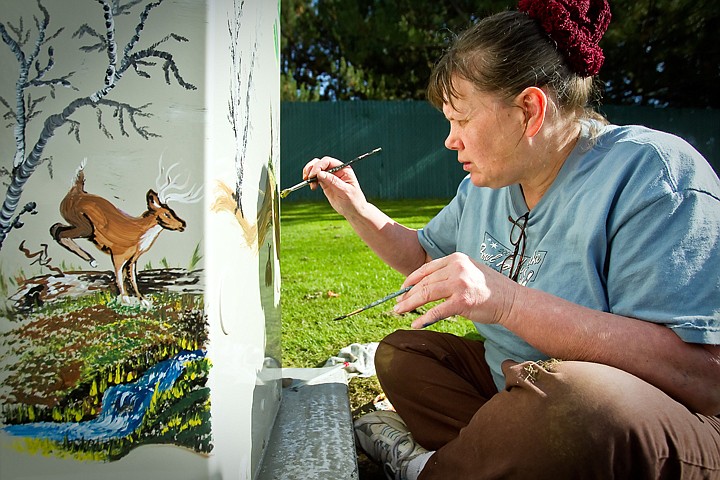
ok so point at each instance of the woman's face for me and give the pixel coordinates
(487, 133)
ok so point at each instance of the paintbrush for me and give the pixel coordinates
(304, 183)
(375, 303)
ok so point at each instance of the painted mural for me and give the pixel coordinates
(139, 286)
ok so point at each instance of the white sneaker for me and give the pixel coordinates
(386, 439)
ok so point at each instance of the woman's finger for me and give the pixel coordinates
(433, 315)
(425, 270)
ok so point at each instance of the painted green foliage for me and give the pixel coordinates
(65, 357)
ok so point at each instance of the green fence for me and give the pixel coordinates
(414, 162)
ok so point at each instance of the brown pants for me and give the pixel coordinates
(571, 420)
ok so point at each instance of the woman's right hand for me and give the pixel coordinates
(341, 188)
(395, 244)
(468, 288)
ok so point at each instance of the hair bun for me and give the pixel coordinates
(576, 26)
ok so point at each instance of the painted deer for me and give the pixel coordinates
(124, 237)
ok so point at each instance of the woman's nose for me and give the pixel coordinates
(452, 142)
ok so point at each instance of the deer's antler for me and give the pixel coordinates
(169, 188)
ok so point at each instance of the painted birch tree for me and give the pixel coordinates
(33, 49)
(239, 102)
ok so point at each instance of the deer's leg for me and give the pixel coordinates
(64, 235)
(130, 271)
(119, 267)
(131, 274)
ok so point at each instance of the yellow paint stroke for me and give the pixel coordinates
(225, 202)
(267, 216)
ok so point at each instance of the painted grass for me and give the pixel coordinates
(328, 271)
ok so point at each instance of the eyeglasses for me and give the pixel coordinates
(518, 238)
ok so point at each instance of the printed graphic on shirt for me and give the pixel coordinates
(496, 255)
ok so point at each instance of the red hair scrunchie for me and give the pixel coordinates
(576, 26)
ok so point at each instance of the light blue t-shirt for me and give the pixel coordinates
(631, 225)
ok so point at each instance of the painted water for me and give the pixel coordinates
(123, 406)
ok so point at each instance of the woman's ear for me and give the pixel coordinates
(533, 102)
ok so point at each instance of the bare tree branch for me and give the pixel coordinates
(169, 65)
(10, 114)
(84, 30)
(120, 9)
(123, 111)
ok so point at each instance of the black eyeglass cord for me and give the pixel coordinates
(518, 255)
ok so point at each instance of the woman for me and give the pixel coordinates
(569, 239)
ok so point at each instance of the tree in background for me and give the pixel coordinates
(663, 53)
(659, 52)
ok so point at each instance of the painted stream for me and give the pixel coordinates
(123, 406)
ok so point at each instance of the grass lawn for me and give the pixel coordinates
(328, 271)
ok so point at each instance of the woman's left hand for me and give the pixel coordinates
(471, 289)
